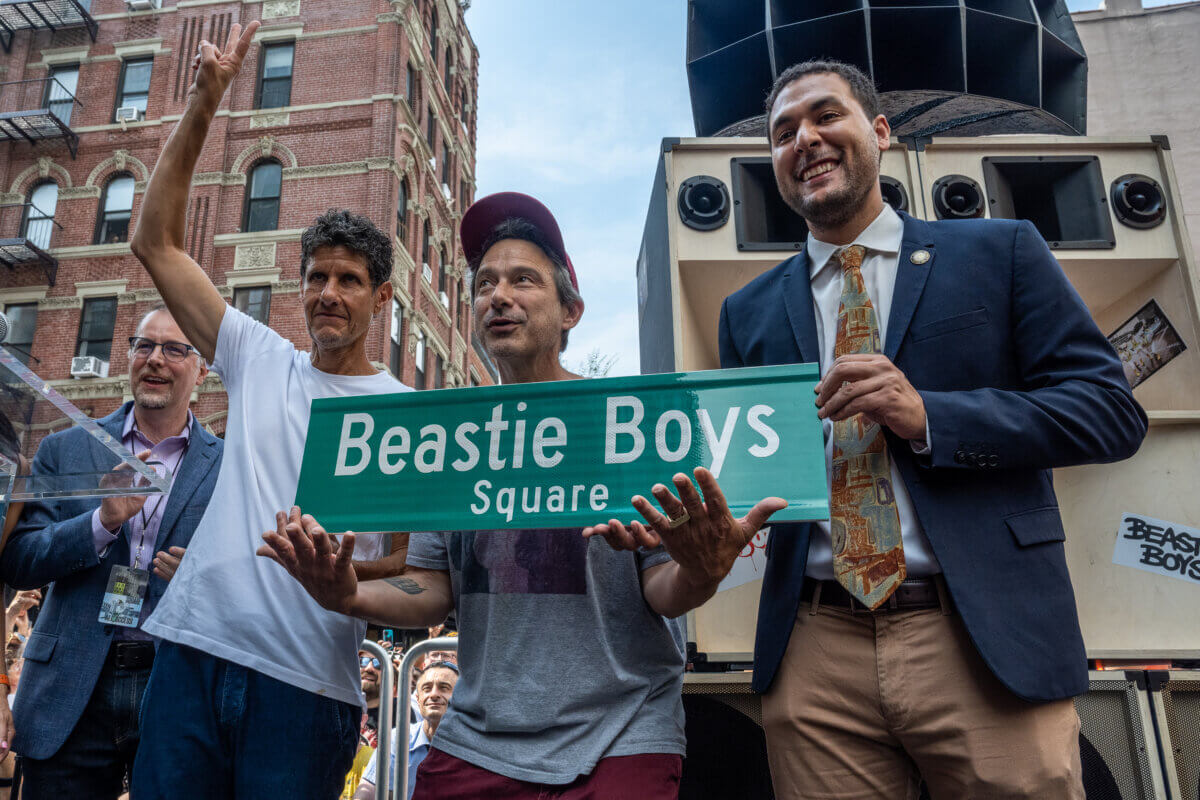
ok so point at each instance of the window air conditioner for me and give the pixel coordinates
(427, 273)
(143, 5)
(445, 299)
(446, 190)
(128, 114)
(88, 367)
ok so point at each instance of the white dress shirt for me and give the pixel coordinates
(882, 239)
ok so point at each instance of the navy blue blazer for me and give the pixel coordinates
(1016, 380)
(53, 544)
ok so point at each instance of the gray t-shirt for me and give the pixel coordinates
(563, 662)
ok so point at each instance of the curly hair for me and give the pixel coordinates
(861, 84)
(337, 226)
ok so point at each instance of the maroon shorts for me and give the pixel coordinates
(652, 776)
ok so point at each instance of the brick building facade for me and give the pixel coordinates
(367, 105)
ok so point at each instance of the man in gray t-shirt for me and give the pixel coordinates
(563, 662)
(570, 650)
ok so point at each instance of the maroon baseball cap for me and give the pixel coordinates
(486, 213)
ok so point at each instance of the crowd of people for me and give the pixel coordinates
(927, 629)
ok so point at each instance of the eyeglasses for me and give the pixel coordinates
(143, 348)
(368, 661)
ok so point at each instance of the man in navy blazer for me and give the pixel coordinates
(992, 373)
(76, 714)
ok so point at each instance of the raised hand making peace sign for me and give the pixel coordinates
(215, 68)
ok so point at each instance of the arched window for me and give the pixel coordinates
(402, 213)
(116, 207)
(39, 214)
(262, 197)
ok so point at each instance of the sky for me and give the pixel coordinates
(575, 98)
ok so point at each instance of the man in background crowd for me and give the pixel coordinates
(256, 690)
(434, 688)
(606, 637)
(85, 670)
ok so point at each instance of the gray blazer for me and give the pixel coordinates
(53, 544)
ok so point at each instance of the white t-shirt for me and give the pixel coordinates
(224, 599)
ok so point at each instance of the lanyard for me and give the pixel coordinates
(137, 557)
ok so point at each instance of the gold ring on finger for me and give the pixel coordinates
(680, 520)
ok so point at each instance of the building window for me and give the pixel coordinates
(419, 358)
(254, 301)
(443, 263)
(430, 128)
(38, 223)
(397, 334)
(433, 33)
(22, 322)
(446, 174)
(410, 86)
(439, 379)
(96, 327)
(449, 72)
(275, 75)
(60, 92)
(134, 89)
(116, 206)
(402, 213)
(425, 235)
(262, 197)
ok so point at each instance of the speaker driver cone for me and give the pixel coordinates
(703, 203)
(1138, 201)
(893, 193)
(957, 197)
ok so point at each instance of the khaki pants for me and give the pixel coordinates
(865, 705)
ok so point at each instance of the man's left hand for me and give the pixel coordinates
(870, 384)
(166, 562)
(705, 546)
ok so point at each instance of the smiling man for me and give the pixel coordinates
(256, 690)
(85, 671)
(434, 688)
(929, 628)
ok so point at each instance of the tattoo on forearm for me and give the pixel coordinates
(406, 585)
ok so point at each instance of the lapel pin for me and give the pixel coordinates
(919, 257)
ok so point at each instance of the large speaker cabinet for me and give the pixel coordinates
(716, 221)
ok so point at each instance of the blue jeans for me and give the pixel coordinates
(212, 730)
(95, 758)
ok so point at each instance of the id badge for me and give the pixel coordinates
(122, 604)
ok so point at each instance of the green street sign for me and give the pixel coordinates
(564, 453)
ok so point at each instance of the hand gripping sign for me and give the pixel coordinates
(564, 453)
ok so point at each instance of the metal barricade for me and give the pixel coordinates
(386, 682)
(410, 658)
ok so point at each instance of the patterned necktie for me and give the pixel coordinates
(868, 556)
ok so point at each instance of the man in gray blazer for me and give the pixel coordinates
(86, 665)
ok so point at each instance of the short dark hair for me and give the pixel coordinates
(337, 226)
(526, 231)
(861, 84)
(450, 665)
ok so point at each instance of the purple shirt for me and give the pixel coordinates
(144, 525)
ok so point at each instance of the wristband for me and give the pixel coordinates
(4, 680)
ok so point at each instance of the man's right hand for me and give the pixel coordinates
(116, 511)
(301, 546)
(216, 68)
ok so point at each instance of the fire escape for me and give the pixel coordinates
(52, 15)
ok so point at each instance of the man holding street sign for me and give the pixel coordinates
(255, 690)
(545, 608)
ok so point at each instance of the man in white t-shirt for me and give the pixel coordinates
(256, 689)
